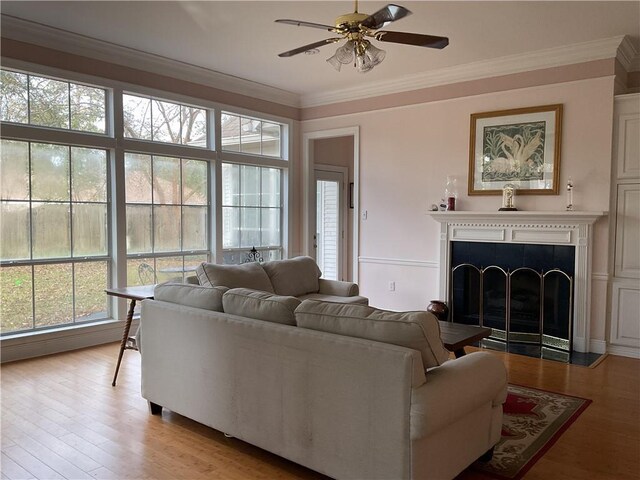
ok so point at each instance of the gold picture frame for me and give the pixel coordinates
(520, 146)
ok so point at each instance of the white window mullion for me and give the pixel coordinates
(214, 135)
(118, 238)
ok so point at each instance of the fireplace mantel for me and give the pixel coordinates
(524, 217)
(529, 227)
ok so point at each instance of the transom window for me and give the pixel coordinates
(162, 121)
(250, 135)
(52, 103)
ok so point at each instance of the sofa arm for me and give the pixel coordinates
(457, 388)
(338, 288)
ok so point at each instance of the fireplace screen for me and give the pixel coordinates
(525, 304)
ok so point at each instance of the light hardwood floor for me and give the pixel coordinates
(62, 419)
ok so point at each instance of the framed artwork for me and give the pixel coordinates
(519, 147)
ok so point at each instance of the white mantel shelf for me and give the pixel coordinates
(571, 228)
(528, 217)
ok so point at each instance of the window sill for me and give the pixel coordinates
(46, 342)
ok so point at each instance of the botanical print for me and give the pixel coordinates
(513, 152)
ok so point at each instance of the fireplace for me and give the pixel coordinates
(523, 292)
(527, 275)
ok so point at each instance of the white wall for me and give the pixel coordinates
(407, 152)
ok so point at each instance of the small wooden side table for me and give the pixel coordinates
(133, 294)
(456, 336)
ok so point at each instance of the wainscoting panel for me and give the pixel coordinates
(415, 282)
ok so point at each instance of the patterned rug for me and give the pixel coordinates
(533, 421)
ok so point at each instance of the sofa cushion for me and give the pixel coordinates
(247, 275)
(207, 298)
(321, 297)
(417, 330)
(260, 305)
(295, 276)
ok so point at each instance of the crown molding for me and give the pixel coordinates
(58, 39)
(547, 58)
(629, 55)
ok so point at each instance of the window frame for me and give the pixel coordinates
(114, 141)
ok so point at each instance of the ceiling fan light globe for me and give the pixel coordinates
(344, 54)
(363, 64)
(334, 62)
(375, 55)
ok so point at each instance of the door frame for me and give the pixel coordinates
(308, 184)
(343, 212)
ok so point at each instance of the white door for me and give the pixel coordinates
(329, 239)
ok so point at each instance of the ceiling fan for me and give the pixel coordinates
(355, 28)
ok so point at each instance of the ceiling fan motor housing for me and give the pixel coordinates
(350, 22)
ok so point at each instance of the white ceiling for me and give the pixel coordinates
(240, 38)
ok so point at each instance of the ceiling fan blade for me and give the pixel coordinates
(300, 23)
(385, 16)
(416, 39)
(311, 46)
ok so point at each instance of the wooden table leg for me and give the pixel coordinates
(125, 338)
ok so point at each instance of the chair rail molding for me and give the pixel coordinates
(531, 227)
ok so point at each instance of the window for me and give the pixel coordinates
(167, 208)
(251, 211)
(162, 121)
(51, 103)
(250, 135)
(57, 217)
(54, 235)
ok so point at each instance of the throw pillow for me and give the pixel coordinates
(260, 305)
(295, 276)
(247, 275)
(417, 330)
(197, 296)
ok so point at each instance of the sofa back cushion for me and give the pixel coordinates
(207, 298)
(247, 275)
(417, 330)
(295, 276)
(260, 305)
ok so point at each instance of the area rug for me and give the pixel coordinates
(533, 421)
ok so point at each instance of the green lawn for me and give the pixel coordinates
(54, 285)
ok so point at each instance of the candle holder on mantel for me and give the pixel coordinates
(569, 195)
(508, 198)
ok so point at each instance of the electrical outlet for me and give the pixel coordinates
(392, 286)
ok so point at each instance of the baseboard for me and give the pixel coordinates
(631, 352)
(598, 346)
(62, 340)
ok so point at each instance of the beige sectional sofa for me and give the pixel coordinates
(297, 277)
(344, 389)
